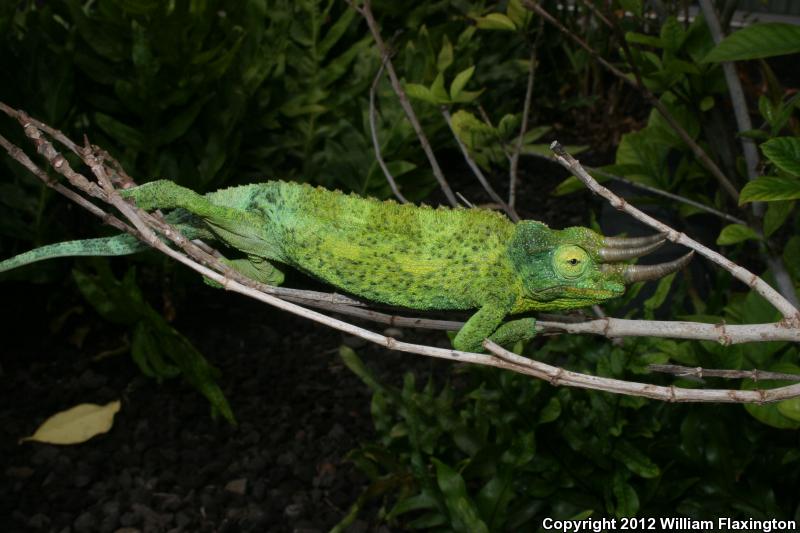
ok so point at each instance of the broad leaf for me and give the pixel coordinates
(784, 153)
(463, 512)
(460, 81)
(445, 55)
(76, 425)
(495, 21)
(759, 40)
(776, 215)
(733, 233)
(769, 189)
(419, 92)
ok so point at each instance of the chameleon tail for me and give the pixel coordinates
(104, 246)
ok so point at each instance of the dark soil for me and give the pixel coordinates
(166, 465)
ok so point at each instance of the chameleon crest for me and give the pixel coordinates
(405, 255)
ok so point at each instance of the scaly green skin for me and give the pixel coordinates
(405, 255)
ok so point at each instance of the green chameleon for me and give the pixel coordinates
(403, 255)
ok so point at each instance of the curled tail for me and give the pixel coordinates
(104, 246)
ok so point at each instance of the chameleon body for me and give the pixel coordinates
(399, 254)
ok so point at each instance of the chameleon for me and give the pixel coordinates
(405, 255)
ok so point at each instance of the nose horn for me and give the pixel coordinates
(610, 254)
(634, 273)
(633, 242)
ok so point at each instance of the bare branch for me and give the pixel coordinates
(376, 144)
(790, 313)
(477, 171)
(558, 376)
(698, 372)
(366, 12)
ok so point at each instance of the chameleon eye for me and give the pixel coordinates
(570, 261)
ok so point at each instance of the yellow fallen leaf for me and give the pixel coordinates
(77, 424)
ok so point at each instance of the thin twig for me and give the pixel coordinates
(656, 190)
(477, 171)
(366, 12)
(513, 174)
(696, 149)
(464, 200)
(790, 313)
(699, 372)
(671, 196)
(376, 144)
(18, 155)
(558, 376)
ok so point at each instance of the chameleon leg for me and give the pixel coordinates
(254, 268)
(478, 327)
(512, 332)
(239, 229)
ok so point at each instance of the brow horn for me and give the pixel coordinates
(610, 254)
(634, 273)
(633, 242)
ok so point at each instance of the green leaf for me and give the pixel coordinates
(733, 233)
(495, 21)
(336, 32)
(635, 460)
(494, 497)
(518, 14)
(467, 96)
(706, 103)
(356, 366)
(551, 411)
(438, 91)
(627, 501)
(423, 500)
(776, 215)
(460, 81)
(770, 189)
(672, 34)
(419, 92)
(463, 513)
(658, 297)
(765, 39)
(790, 409)
(784, 153)
(640, 38)
(445, 58)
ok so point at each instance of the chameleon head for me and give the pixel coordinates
(576, 267)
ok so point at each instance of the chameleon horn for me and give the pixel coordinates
(633, 242)
(610, 254)
(634, 273)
